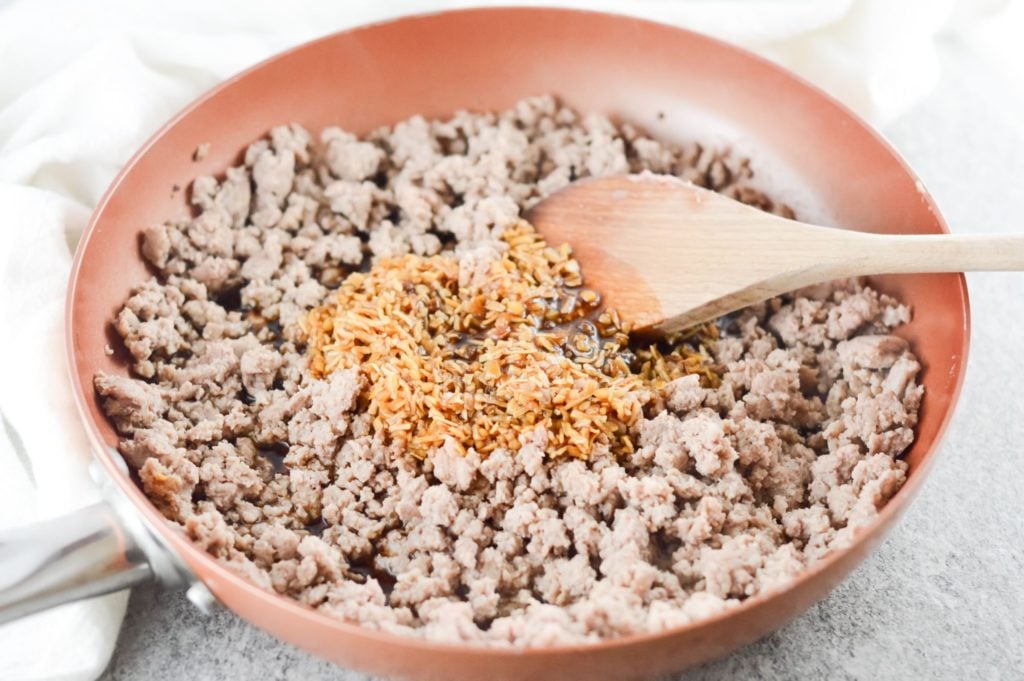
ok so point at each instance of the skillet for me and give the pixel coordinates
(676, 84)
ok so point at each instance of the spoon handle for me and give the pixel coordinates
(905, 254)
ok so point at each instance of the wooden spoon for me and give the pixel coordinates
(668, 254)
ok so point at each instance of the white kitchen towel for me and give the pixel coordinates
(83, 84)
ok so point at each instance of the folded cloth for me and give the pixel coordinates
(85, 83)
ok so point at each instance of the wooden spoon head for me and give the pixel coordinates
(668, 254)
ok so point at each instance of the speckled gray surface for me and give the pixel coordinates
(943, 598)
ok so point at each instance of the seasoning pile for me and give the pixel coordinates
(486, 357)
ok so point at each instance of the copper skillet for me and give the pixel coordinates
(659, 77)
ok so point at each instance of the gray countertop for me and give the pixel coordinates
(943, 598)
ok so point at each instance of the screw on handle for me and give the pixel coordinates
(83, 554)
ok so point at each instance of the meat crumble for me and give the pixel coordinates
(772, 450)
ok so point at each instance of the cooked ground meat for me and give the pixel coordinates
(730, 491)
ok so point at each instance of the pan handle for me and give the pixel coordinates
(83, 554)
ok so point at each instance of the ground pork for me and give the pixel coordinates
(730, 492)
